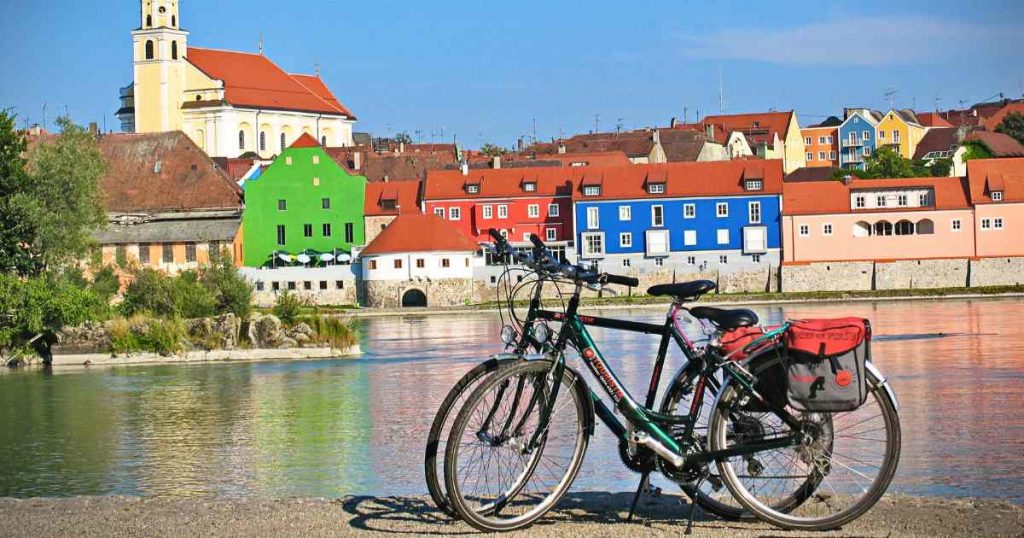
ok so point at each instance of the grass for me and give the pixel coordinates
(335, 332)
(141, 333)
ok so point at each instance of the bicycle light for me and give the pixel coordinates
(508, 335)
(541, 332)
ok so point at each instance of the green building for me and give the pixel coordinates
(304, 201)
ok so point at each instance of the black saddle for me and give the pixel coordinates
(689, 291)
(725, 319)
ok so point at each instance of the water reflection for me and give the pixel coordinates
(330, 428)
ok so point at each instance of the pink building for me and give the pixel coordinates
(997, 192)
(877, 219)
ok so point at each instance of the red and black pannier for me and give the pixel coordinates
(825, 364)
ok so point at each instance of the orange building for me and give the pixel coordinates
(822, 143)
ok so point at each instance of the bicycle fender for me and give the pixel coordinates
(884, 383)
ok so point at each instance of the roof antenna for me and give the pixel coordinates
(261, 43)
(891, 96)
(721, 91)
(316, 68)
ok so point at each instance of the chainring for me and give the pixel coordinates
(643, 461)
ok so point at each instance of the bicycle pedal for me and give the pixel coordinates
(653, 491)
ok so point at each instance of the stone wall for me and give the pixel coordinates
(828, 276)
(375, 225)
(331, 285)
(440, 293)
(917, 274)
(997, 272)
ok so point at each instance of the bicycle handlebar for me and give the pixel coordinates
(541, 260)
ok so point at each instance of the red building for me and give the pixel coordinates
(518, 202)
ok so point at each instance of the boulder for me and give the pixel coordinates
(287, 343)
(265, 331)
(303, 328)
(301, 338)
(228, 327)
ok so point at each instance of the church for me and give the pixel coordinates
(229, 103)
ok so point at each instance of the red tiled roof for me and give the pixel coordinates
(722, 178)
(760, 127)
(252, 80)
(163, 172)
(986, 175)
(404, 194)
(937, 139)
(305, 141)
(994, 120)
(601, 158)
(833, 196)
(235, 167)
(932, 119)
(384, 167)
(419, 233)
(999, 144)
(502, 183)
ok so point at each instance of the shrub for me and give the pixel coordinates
(287, 308)
(43, 305)
(164, 336)
(123, 339)
(335, 332)
(105, 282)
(159, 295)
(231, 292)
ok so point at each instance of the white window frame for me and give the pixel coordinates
(821, 140)
(821, 156)
(454, 213)
(922, 199)
(658, 216)
(828, 139)
(986, 224)
(805, 230)
(860, 201)
(719, 212)
(689, 211)
(626, 240)
(690, 238)
(656, 188)
(530, 186)
(440, 212)
(902, 200)
(553, 210)
(488, 212)
(584, 251)
(754, 212)
(658, 236)
(503, 212)
(473, 189)
(625, 212)
(956, 225)
(592, 190)
(867, 136)
(997, 223)
(809, 155)
(881, 201)
(826, 229)
(551, 234)
(808, 140)
(593, 218)
(997, 196)
(723, 236)
(832, 156)
(533, 211)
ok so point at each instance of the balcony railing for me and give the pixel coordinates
(847, 143)
(853, 158)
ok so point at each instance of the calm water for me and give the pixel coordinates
(331, 428)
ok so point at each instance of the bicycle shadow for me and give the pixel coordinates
(401, 515)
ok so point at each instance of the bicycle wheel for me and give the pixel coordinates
(837, 474)
(438, 436)
(497, 480)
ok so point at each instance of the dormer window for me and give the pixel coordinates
(997, 196)
(530, 187)
(473, 189)
(388, 205)
(753, 185)
(656, 188)
(592, 190)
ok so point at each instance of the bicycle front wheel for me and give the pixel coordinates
(838, 473)
(503, 467)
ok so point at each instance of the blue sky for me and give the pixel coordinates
(485, 70)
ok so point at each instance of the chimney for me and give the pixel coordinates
(357, 160)
(561, 147)
(519, 144)
(464, 167)
(673, 122)
(496, 162)
(94, 129)
(401, 147)
(847, 179)
(656, 137)
(387, 178)
(709, 131)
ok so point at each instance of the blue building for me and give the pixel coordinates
(687, 217)
(858, 137)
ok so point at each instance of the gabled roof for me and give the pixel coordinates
(603, 158)
(502, 183)
(815, 173)
(377, 167)
(995, 119)
(759, 128)
(253, 81)
(932, 119)
(305, 141)
(720, 178)
(871, 116)
(403, 195)
(986, 175)
(998, 144)
(419, 233)
(937, 139)
(163, 172)
(833, 196)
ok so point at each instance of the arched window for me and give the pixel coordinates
(174, 21)
(904, 227)
(200, 139)
(861, 229)
(174, 50)
(883, 227)
(149, 21)
(263, 141)
(284, 141)
(925, 227)
(149, 50)
(323, 141)
(241, 140)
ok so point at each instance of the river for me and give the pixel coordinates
(345, 427)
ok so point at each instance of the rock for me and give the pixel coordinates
(286, 343)
(265, 331)
(303, 328)
(301, 338)
(228, 327)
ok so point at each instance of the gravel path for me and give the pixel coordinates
(582, 514)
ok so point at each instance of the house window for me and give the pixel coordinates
(997, 196)
(284, 141)
(454, 213)
(626, 240)
(722, 209)
(828, 139)
(553, 210)
(755, 212)
(323, 285)
(626, 262)
(421, 263)
(659, 262)
(690, 237)
(350, 232)
(807, 141)
(325, 203)
(901, 200)
(810, 156)
(282, 205)
(339, 284)
(551, 234)
(291, 286)
(592, 190)
(149, 50)
(316, 158)
(144, 253)
(526, 236)
(997, 223)
(288, 161)
(723, 259)
(656, 188)
(691, 260)
(657, 216)
(280, 235)
(593, 244)
(867, 135)
(373, 265)
(213, 249)
(756, 258)
(826, 229)
(805, 230)
(307, 285)
(821, 140)
(880, 200)
(533, 211)
(821, 155)
(895, 136)
(503, 212)
(866, 151)
(529, 187)
(263, 141)
(326, 229)
(922, 199)
(316, 182)
(625, 212)
(439, 211)
(259, 285)
(323, 141)
(831, 155)
(723, 236)
(956, 225)
(593, 221)
(307, 230)
(689, 211)
(398, 263)
(881, 135)
(446, 263)
(488, 212)
(472, 189)
(241, 140)
(121, 254)
(753, 185)
(167, 254)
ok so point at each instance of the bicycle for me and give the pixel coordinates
(536, 446)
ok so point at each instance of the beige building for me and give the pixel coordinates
(228, 103)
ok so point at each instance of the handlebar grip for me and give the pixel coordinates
(622, 280)
(496, 236)
(536, 241)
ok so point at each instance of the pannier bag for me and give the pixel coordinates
(737, 339)
(825, 364)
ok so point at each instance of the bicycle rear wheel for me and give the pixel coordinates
(437, 439)
(498, 480)
(845, 465)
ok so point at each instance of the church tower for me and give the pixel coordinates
(159, 46)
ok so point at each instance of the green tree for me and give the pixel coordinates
(886, 163)
(33, 310)
(492, 150)
(231, 292)
(840, 173)
(976, 150)
(17, 232)
(403, 138)
(940, 167)
(1012, 125)
(64, 185)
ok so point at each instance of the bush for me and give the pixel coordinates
(43, 305)
(105, 283)
(231, 292)
(287, 308)
(159, 295)
(332, 331)
(141, 333)
(123, 339)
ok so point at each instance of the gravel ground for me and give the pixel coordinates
(581, 514)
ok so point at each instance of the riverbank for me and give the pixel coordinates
(218, 355)
(581, 514)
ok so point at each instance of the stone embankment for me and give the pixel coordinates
(580, 514)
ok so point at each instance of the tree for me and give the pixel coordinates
(1012, 125)
(492, 150)
(976, 150)
(840, 173)
(17, 233)
(403, 138)
(232, 292)
(940, 167)
(886, 163)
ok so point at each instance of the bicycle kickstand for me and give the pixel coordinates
(645, 479)
(693, 509)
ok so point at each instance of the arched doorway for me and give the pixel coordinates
(414, 298)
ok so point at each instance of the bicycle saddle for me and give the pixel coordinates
(725, 319)
(683, 290)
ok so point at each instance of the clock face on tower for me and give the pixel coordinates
(162, 10)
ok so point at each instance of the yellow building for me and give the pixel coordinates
(901, 131)
(228, 103)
